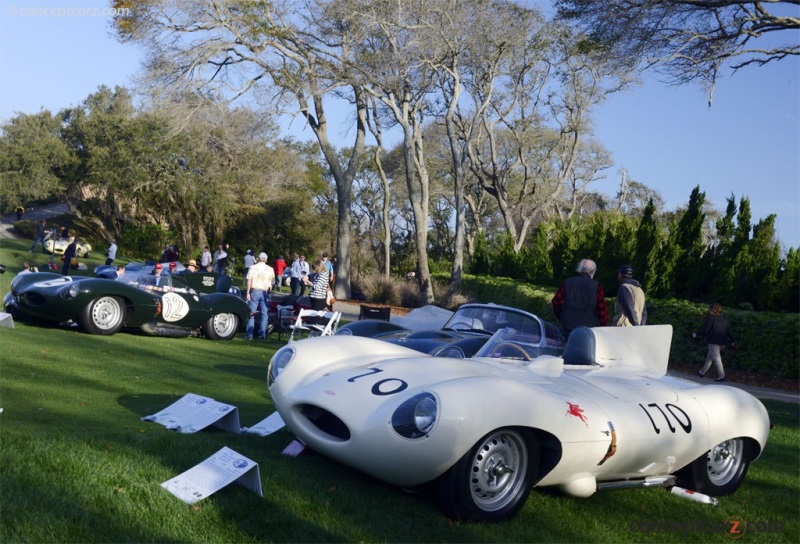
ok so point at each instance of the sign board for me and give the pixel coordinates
(267, 426)
(193, 413)
(213, 474)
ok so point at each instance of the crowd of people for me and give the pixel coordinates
(580, 301)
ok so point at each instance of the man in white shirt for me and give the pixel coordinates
(260, 279)
(205, 259)
(300, 272)
(112, 252)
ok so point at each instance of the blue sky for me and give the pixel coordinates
(746, 144)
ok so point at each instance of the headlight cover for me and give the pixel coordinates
(416, 417)
(453, 352)
(72, 291)
(279, 362)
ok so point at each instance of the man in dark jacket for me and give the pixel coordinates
(580, 300)
(69, 254)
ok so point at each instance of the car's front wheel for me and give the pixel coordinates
(491, 481)
(221, 326)
(104, 315)
(720, 471)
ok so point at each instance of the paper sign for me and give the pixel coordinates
(267, 426)
(213, 474)
(294, 448)
(194, 412)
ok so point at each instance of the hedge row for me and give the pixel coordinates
(768, 342)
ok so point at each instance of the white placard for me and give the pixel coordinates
(193, 413)
(213, 474)
(267, 426)
(295, 448)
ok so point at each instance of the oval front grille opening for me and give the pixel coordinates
(325, 421)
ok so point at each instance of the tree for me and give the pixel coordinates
(33, 158)
(273, 52)
(689, 40)
(690, 277)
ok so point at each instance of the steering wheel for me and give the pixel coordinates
(522, 352)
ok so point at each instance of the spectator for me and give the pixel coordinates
(249, 260)
(259, 283)
(300, 273)
(170, 254)
(329, 267)
(220, 259)
(717, 333)
(69, 255)
(64, 233)
(41, 234)
(279, 266)
(173, 268)
(319, 286)
(20, 210)
(630, 309)
(27, 269)
(191, 267)
(119, 272)
(580, 300)
(112, 252)
(205, 259)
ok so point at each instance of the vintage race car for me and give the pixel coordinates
(103, 306)
(464, 333)
(59, 246)
(484, 431)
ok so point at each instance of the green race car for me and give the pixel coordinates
(168, 306)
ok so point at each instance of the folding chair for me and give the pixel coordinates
(327, 323)
(284, 319)
(373, 312)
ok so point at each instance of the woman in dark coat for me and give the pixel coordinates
(717, 332)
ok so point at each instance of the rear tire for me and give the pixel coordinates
(720, 471)
(104, 315)
(491, 481)
(221, 326)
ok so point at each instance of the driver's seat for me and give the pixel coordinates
(581, 347)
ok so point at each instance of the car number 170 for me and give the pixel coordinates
(669, 414)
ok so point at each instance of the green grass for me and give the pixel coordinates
(77, 464)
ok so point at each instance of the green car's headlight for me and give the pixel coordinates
(72, 291)
(416, 417)
(279, 362)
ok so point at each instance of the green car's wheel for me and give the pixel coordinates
(104, 315)
(221, 326)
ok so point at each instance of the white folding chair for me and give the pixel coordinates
(315, 329)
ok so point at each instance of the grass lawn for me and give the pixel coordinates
(77, 464)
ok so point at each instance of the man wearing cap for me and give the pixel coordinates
(260, 279)
(630, 309)
(580, 300)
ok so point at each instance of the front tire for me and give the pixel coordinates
(221, 326)
(104, 315)
(491, 481)
(721, 470)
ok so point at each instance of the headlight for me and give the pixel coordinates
(416, 417)
(279, 363)
(72, 291)
(344, 332)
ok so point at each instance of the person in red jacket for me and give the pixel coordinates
(580, 300)
(280, 266)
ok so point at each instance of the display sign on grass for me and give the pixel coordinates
(267, 426)
(193, 413)
(213, 474)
